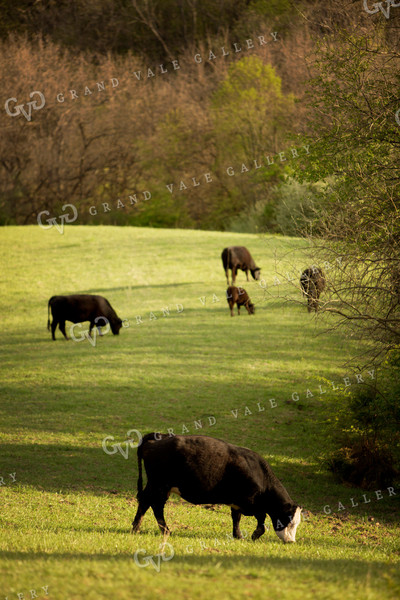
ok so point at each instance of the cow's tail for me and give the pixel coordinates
(48, 314)
(140, 477)
(152, 438)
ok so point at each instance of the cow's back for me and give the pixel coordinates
(79, 307)
(242, 255)
(203, 469)
(234, 256)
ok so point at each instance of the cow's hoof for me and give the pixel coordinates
(134, 529)
(258, 533)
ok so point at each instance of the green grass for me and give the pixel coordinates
(65, 522)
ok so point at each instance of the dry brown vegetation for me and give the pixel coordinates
(144, 134)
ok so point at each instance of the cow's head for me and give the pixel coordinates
(285, 525)
(255, 273)
(116, 325)
(251, 308)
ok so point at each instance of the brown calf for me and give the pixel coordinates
(239, 296)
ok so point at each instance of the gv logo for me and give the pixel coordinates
(149, 559)
(87, 335)
(118, 447)
(379, 6)
(52, 222)
(19, 108)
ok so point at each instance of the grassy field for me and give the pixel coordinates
(66, 511)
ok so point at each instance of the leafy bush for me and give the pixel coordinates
(369, 433)
(257, 219)
(297, 206)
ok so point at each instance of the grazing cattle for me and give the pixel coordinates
(81, 307)
(239, 297)
(312, 282)
(205, 470)
(238, 257)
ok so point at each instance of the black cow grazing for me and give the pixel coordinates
(312, 282)
(82, 307)
(205, 470)
(239, 297)
(238, 257)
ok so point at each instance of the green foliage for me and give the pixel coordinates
(251, 110)
(250, 114)
(298, 206)
(271, 8)
(255, 219)
(352, 105)
(368, 432)
(164, 210)
(353, 100)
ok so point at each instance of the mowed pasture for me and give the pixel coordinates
(66, 519)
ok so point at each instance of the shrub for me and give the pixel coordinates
(369, 436)
(296, 207)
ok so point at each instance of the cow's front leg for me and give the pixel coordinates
(236, 515)
(260, 529)
(247, 274)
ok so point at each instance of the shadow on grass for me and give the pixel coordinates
(101, 290)
(70, 468)
(329, 569)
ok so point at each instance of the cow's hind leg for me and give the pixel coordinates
(236, 515)
(316, 300)
(144, 500)
(53, 328)
(234, 271)
(158, 510)
(62, 329)
(312, 297)
(260, 529)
